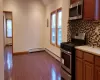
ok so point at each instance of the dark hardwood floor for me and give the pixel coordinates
(33, 66)
(8, 63)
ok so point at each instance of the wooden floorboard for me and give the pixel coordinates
(33, 66)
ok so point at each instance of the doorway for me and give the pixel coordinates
(8, 29)
(8, 43)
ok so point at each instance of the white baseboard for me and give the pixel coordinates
(53, 54)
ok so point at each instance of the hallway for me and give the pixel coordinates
(8, 62)
(33, 66)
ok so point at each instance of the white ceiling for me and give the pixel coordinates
(47, 2)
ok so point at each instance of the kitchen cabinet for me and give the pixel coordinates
(84, 66)
(91, 9)
(97, 68)
(88, 71)
(79, 69)
(97, 73)
(87, 66)
(74, 1)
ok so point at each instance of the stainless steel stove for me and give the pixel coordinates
(68, 56)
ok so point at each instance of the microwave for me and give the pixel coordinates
(76, 10)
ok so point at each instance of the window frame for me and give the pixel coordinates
(6, 28)
(56, 12)
(51, 27)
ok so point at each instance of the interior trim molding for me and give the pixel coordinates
(20, 53)
(29, 52)
(53, 54)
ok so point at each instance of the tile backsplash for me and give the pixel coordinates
(91, 28)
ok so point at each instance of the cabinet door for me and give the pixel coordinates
(73, 1)
(97, 73)
(89, 9)
(99, 10)
(88, 71)
(79, 69)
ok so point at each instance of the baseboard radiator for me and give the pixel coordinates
(36, 50)
(44, 49)
(53, 54)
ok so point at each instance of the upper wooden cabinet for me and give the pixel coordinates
(91, 10)
(73, 1)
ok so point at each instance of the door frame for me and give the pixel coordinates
(12, 27)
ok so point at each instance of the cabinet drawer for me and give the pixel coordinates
(97, 60)
(79, 54)
(89, 57)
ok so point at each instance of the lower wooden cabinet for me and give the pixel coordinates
(79, 69)
(87, 67)
(97, 73)
(88, 71)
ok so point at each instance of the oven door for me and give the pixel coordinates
(66, 59)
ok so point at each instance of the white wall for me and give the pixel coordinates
(28, 23)
(7, 40)
(65, 11)
(1, 42)
(29, 28)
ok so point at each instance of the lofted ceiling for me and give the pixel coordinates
(47, 2)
